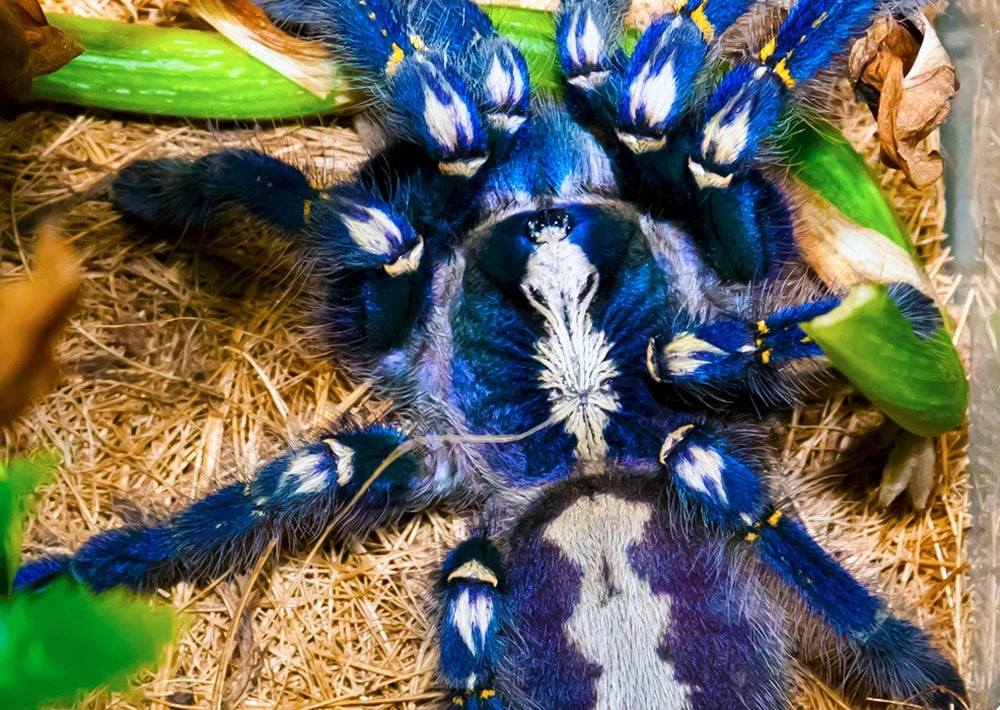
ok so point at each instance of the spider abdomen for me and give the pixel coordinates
(616, 604)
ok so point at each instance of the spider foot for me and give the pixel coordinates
(660, 82)
(472, 587)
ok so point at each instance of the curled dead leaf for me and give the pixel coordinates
(32, 314)
(307, 63)
(910, 468)
(905, 75)
(843, 253)
(32, 47)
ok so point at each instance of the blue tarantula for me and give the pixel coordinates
(587, 313)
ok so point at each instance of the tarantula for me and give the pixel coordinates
(588, 312)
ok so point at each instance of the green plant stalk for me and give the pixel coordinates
(920, 384)
(174, 72)
(827, 163)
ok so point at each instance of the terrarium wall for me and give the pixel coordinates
(973, 146)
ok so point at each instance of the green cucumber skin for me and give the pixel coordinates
(920, 384)
(173, 72)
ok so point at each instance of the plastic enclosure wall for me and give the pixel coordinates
(970, 30)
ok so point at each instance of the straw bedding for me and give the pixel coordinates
(184, 368)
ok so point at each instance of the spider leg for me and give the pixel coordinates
(295, 498)
(660, 84)
(182, 192)
(748, 231)
(358, 236)
(737, 360)
(589, 35)
(722, 483)
(489, 64)
(471, 587)
(437, 73)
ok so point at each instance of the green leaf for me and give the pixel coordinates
(919, 383)
(826, 162)
(65, 640)
(18, 480)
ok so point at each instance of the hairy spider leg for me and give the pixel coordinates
(373, 240)
(489, 64)
(199, 192)
(589, 36)
(662, 79)
(328, 484)
(746, 228)
(724, 486)
(416, 91)
(739, 361)
(733, 360)
(472, 591)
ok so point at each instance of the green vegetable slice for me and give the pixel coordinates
(919, 383)
(174, 72)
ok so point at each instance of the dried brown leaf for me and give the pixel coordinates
(910, 468)
(32, 314)
(35, 47)
(305, 62)
(907, 78)
(15, 60)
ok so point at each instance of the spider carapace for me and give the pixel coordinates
(587, 308)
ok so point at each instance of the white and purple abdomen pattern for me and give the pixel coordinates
(617, 604)
(617, 623)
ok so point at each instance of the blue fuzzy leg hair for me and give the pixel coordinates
(292, 499)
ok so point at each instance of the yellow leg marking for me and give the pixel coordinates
(487, 694)
(762, 327)
(768, 49)
(457, 700)
(775, 517)
(698, 17)
(385, 33)
(306, 210)
(751, 536)
(781, 69)
(418, 43)
(371, 15)
(395, 58)
(765, 357)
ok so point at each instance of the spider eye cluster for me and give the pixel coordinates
(551, 225)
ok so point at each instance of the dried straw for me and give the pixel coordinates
(185, 368)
